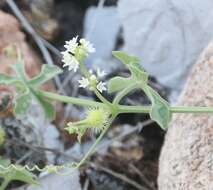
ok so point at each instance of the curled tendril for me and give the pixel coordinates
(48, 168)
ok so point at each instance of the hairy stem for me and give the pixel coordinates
(93, 147)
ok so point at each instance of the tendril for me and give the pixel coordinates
(48, 168)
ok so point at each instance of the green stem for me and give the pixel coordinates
(84, 70)
(93, 147)
(133, 109)
(102, 98)
(123, 108)
(72, 100)
(191, 109)
(173, 109)
(123, 93)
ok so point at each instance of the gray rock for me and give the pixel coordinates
(55, 182)
(101, 27)
(51, 140)
(168, 35)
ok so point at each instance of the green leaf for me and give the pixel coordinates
(48, 108)
(118, 83)
(27, 89)
(160, 111)
(19, 174)
(6, 79)
(47, 72)
(138, 74)
(22, 103)
(4, 162)
(125, 58)
(22, 175)
(20, 71)
(133, 63)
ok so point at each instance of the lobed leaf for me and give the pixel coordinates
(27, 89)
(20, 71)
(133, 63)
(47, 72)
(125, 58)
(4, 163)
(19, 174)
(160, 111)
(118, 83)
(138, 74)
(22, 103)
(48, 108)
(7, 79)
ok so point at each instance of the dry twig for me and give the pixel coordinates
(119, 176)
(143, 177)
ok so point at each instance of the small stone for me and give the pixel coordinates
(101, 28)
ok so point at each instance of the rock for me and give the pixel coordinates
(168, 35)
(51, 140)
(186, 160)
(101, 27)
(11, 36)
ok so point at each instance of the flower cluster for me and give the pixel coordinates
(97, 119)
(74, 54)
(73, 58)
(92, 81)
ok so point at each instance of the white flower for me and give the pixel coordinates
(84, 82)
(70, 61)
(100, 73)
(87, 46)
(101, 86)
(71, 45)
(92, 81)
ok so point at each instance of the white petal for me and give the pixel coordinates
(101, 86)
(100, 73)
(70, 61)
(71, 45)
(84, 82)
(87, 45)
